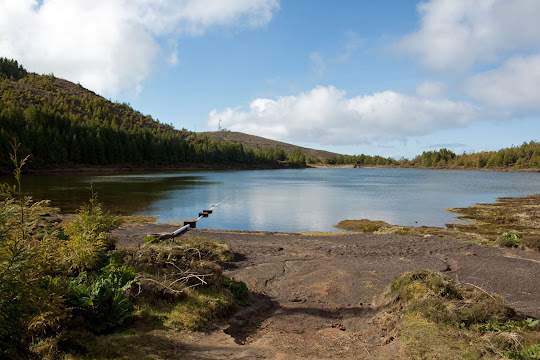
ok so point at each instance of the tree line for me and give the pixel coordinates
(62, 124)
(360, 160)
(525, 156)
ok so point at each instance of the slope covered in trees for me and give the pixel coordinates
(61, 124)
(526, 156)
(520, 157)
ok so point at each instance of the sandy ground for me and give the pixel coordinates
(315, 297)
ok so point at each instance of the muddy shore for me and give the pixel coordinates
(316, 297)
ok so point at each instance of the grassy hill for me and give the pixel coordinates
(257, 143)
(63, 125)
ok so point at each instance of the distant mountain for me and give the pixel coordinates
(259, 143)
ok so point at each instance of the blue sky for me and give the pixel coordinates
(387, 77)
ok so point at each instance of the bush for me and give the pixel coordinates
(242, 297)
(532, 352)
(509, 240)
(100, 298)
(88, 235)
(27, 307)
(437, 298)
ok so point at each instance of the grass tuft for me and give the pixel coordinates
(363, 225)
(440, 319)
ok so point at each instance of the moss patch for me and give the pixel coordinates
(363, 225)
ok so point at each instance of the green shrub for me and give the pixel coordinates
(492, 326)
(100, 298)
(532, 352)
(509, 239)
(88, 235)
(242, 297)
(151, 239)
(27, 308)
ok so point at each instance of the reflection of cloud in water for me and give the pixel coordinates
(297, 208)
(287, 200)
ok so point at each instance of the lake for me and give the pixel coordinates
(287, 199)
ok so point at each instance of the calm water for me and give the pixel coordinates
(287, 200)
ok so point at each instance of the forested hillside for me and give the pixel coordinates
(62, 124)
(520, 157)
(526, 156)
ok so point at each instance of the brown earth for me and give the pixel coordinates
(257, 143)
(315, 297)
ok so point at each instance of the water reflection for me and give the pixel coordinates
(287, 200)
(126, 194)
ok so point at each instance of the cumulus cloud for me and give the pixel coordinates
(110, 45)
(326, 115)
(516, 84)
(457, 34)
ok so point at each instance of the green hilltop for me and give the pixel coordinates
(61, 125)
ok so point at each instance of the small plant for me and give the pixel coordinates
(493, 326)
(532, 352)
(507, 239)
(242, 297)
(100, 298)
(151, 239)
(88, 235)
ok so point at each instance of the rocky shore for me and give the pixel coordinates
(316, 296)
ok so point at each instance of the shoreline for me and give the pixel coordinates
(351, 166)
(202, 167)
(130, 169)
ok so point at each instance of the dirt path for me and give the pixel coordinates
(315, 296)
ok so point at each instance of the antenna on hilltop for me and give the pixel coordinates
(219, 124)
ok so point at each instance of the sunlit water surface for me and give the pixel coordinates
(287, 200)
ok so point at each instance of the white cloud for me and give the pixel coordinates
(431, 89)
(456, 34)
(516, 84)
(110, 45)
(195, 16)
(325, 115)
